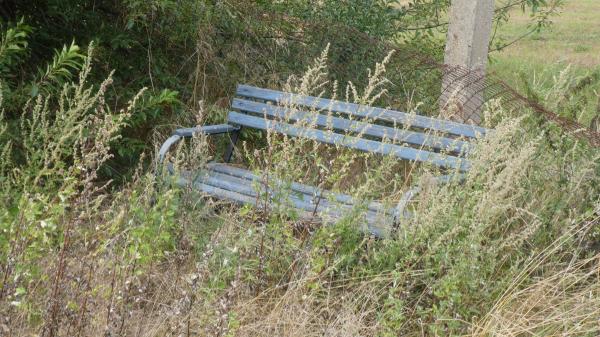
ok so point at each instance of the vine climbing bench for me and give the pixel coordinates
(416, 138)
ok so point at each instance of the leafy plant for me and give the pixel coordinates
(64, 64)
(13, 45)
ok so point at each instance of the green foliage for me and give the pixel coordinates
(135, 38)
(375, 18)
(60, 71)
(13, 45)
(201, 49)
(151, 224)
(152, 107)
(63, 140)
(572, 94)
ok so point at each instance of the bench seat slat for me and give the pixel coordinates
(379, 131)
(299, 200)
(301, 188)
(393, 116)
(351, 142)
(249, 187)
(244, 191)
(236, 197)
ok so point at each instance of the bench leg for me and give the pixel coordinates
(232, 141)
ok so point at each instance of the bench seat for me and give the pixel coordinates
(230, 183)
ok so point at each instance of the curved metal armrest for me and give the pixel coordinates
(189, 132)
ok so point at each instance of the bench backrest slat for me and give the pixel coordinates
(361, 128)
(371, 113)
(366, 145)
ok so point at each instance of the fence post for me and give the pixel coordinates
(465, 59)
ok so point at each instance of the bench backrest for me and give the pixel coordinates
(387, 132)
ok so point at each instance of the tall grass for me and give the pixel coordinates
(511, 250)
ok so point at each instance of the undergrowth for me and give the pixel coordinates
(512, 250)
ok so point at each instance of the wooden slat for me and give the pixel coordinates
(242, 191)
(351, 142)
(299, 200)
(393, 116)
(217, 192)
(240, 198)
(379, 131)
(301, 188)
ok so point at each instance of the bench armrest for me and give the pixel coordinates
(208, 130)
(189, 132)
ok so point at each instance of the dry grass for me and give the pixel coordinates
(572, 40)
(564, 301)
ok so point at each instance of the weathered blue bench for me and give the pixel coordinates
(410, 137)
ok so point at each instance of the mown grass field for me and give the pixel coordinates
(564, 55)
(573, 39)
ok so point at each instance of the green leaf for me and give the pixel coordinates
(20, 291)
